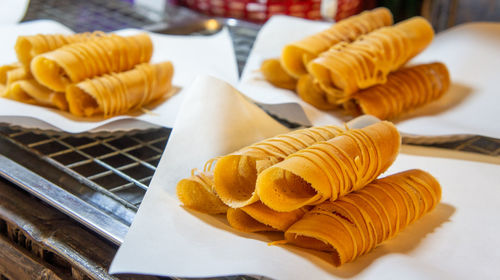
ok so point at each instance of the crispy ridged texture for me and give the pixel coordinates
(405, 90)
(76, 62)
(196, 192)
(31, 92)
(275, 74)
(310, 92)
(27, 47)
(356, 223)
(235, 174)
(11, 72)
(330, 169)
(115, 94)
(295, 56)
(346, 68)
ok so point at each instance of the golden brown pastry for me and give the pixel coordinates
(311, 92)
(30, 46)
(115, 94)
(197, 192)
(329, 169)
(347, 67)
(296, 55)
(76, 62)
(405, 90)
(275, 74)
(235, 174)
(31, 92)
(241, 221)
(356, 223)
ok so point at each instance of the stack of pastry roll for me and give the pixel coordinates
(88, 74)
(318, 186)
(333, 77)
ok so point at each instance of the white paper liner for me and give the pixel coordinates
(456, 240)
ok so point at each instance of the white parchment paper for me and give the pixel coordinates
(190, 55)
(457, 240)
(470, 51)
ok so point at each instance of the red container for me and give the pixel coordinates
(261, 10)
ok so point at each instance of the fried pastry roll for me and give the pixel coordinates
(27, 47)
(197, 192)
(405, 90)
(114, 94)
(235, 174)
(275, 74)
(312, 93)
(76, 62)
(329, 169)
(31, 92)
(241, 221)
(346, 68)
(296, 55)
(356, 223)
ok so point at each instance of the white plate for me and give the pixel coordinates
(470, 51)
(191, 56)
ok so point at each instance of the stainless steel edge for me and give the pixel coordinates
(64, 201)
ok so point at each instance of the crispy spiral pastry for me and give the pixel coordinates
(27, 47)
(235, 174)
(311, 92)
(114, 94)
(274, 73)
(296, 55)
(258, 217)
(76, 62)
(356, 223)
(197, 192)
(330, 169)
(405, 90)
(31, 92)
(10, 73)
(346, 68)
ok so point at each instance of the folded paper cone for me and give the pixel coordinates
(79, 61)
(295, 55)
(405, 90)
(356, 223)
(330, 169)
(235, 174)
(346, 68)
(120, 93)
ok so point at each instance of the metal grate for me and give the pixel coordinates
(119, 165)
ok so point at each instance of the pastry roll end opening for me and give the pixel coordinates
(23, 49)
(48, 73)
(329, 81)
(292, 59)
(195, 195)
(81, 103)
(284, 191)
(235, 177)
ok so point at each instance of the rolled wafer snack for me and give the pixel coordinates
(296, 55)
(76, 62)
(115, 94)
(312, 93)
(7, 71)
(275, 74)
(197, 192)
(346, 68)
(30, 91)
(356, 223)
(30, 46)
(405, 90)
(235, 174)
(262, 218)
(329, 169)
